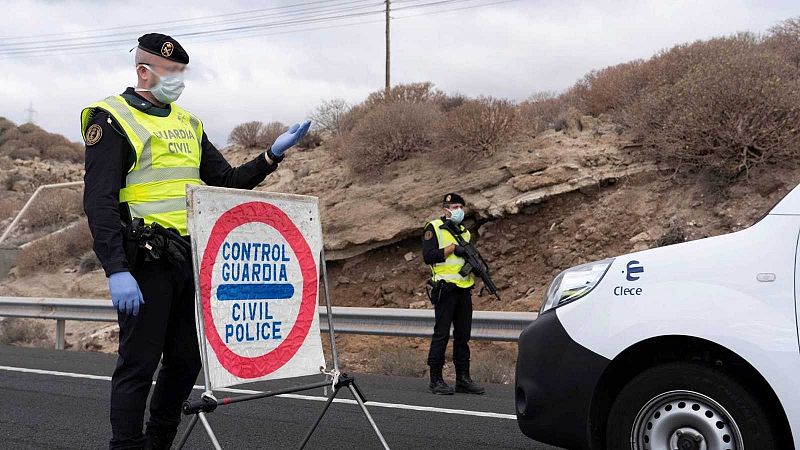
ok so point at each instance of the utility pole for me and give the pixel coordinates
(30, 112)
(388, 8)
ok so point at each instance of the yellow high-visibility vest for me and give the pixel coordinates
(448, 270)
(168, 151)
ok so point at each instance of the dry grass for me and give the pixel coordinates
(400, 362)
(22, 331)
(495, 366)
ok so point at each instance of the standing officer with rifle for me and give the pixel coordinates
(454, 262)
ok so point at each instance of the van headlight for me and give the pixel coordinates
(574, 283)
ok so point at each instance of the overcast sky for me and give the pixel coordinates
(506, 50)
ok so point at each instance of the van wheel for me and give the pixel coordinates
(687, 406)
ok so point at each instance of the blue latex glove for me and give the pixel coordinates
(289, 138)
(125, 293)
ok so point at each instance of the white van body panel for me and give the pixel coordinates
(709, 289)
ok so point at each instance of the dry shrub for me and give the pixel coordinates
(352, 118)
(399, 362)
(269, 133)
(407, 93)
(452, 101)
(5, 125)
(495, 366)
(736, 108)
(330, 116)
(62, 152)
(785, 41)
(312, 139)
(389, 133)
(26, 128)
(611, 89)
(55, 250)
(23, 152)
(542, 111)
(49, 209)
(479, 126)
(247, 135)
(9, 206)
(29, 141)
(10, 134)
(22, 331)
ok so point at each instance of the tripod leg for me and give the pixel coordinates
(369, 417)
(319, 419)
(185, 436)
(210, 432)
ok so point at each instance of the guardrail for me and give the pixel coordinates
(486, 325)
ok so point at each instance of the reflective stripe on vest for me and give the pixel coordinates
(448, 270)
(168, 151)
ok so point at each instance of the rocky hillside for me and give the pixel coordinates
(540, 205)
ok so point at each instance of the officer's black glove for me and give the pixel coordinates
(460, 251)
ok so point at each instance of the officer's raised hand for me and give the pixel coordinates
(125, 293)
(287, 140)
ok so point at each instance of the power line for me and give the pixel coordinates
(248, 30)
(304, 11)
(171, 22)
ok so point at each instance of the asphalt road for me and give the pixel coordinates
(59, 400)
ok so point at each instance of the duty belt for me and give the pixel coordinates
(157, 242)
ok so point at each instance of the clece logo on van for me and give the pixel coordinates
(633, 271)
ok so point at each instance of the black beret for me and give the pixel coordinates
(164, 46)
(453, 198)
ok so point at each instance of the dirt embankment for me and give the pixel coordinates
(540, 205)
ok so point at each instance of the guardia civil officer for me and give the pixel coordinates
(451, 295)
(142, 150)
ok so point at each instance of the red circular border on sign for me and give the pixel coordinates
(271, 215)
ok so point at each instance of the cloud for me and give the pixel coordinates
(508, 50)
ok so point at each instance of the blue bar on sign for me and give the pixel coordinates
(256, 291)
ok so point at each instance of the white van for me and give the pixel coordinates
(692, 346)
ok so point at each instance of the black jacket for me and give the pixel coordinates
(107, 163)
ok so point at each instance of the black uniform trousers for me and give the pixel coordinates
(165, 325)
(454, 307)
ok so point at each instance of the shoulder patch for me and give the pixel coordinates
(93, 134)
(428, 235)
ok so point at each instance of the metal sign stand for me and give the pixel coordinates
(335, 379)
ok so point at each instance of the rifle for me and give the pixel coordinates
(475, 263)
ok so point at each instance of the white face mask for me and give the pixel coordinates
(456, 215)
(168, 89)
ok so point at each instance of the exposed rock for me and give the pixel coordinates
(422, 304)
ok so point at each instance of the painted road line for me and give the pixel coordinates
(461, 412)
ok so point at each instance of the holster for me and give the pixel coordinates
(434, 290)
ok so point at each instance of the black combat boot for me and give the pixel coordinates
(159, 439)
(437, 385)
(464, 383)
